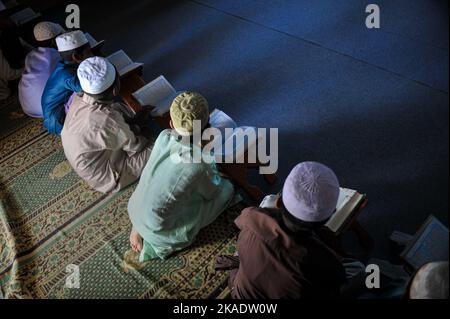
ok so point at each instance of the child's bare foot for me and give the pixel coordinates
(135, 241)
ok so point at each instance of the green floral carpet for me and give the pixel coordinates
(50, 220)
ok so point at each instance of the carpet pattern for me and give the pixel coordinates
(50, 219)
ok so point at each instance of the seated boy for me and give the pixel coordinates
(279, 254)
(74, 48)
(175, 199)
(39, 65)
(97, 141)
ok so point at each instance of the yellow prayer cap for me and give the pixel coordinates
(185, 109)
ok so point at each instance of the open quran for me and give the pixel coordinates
(123, 63)
(349, 203)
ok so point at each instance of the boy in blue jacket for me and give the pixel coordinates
(74, 48)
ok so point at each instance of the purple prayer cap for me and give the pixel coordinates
(311, 192)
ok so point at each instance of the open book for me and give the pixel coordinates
(235, 141)
(348, 204)
(221, 120)
(123, 63)
(24, 16)
(429, 244)
(92, 42)
(159, 93)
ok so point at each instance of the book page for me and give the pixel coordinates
(158, 93)
(120, 60)
(233, 147)
(347, 203)
(270, 202)
(90, 38)
(431, 244)
(345, 195)
(221, 120)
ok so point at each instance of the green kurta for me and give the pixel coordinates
(173, 201)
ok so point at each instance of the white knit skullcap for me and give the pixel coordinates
(96, 75)
(71, 40)
(47, 30)
(430, 282)
(310, 192)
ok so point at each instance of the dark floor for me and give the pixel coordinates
(371, 104)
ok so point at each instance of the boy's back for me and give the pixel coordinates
(276, 264)
(173, 201)
(60, 86)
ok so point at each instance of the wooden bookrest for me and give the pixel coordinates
(130, 83)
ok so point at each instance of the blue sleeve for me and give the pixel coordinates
(73, 83)
(54, 122)
(58, 89)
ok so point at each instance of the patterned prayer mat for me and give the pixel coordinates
(52, 224)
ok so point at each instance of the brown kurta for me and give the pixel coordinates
(274, 264)
(100, 145)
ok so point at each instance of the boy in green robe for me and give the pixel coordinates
(175, 199)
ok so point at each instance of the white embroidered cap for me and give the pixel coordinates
(96, 75)
(430, 282)
(311, 192)
(47, 30)
(71, 40)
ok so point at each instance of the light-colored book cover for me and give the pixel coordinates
(123, 62)
(221, 120)
(159, 93)
(233, 145)
(348, 202)
(90, 38)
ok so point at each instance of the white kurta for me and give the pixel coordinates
(101, 147)
(39, 65)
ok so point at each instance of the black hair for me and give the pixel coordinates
(67, 55)
(106, 95)
(50, 43)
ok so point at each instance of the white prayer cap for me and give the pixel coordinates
(96, 75)
(71, 40)
(430, 282)
(47, 30)
(310, 192)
